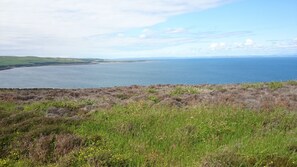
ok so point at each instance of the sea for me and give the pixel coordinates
(152, 72)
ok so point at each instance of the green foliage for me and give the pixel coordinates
(154, 99)
(13, 61)
(138, 134)
(230, 157)
(7, 106)
(22, 135)
(270, 85)
(221, 89)
(162, 136)
(152, 90)
(68, 104)
(275, 85)
(253, 85)
(292, 82)
(180, 90)
(96, 156)
(122, 96)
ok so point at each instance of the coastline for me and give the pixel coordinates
(2, 68)
(40, 65)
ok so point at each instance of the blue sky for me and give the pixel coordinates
(148, 28)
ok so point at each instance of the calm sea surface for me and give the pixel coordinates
(187, 71)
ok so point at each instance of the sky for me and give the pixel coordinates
(148, 28)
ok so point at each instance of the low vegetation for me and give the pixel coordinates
(204, 136)
(253, 85)
(270, 85)
(152, 90)
(293, 83)
(78, 132)
(180, 90)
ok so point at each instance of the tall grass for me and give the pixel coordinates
(189, 137)
(270, 85)
(138, 134)
(180, 90)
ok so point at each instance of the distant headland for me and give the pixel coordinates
(9, 62)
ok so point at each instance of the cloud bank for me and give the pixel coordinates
(100, 28)
(48, 25)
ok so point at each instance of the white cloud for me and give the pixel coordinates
(142, 36)
(175, 30)
(98, 28)
(79, 18)
(217, 46)
(246, 44)
(146, 33)
(249, 42)
(62, 26)
(285, 43)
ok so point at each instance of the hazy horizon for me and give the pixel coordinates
(162, 58)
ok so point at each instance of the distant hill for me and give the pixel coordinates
(8, 62)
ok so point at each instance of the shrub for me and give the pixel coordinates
(152, 90)
(50, 148)
(253, 85)
(275, 85)
(293, 83)
(155, 99)
(122, 96)
(180, 90)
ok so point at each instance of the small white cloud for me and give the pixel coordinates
(120, 35)
(142, 36)
(146, 30)
(238, 45)
(146, 33)
(213, 46)
(222, 44)
(249, 42)
(216, 46)
(175, 30)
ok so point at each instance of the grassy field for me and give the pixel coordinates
(7, 62)
(138, 134)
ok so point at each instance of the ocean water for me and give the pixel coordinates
(176, 71)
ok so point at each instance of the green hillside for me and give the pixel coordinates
(76, 127)
(7, 62)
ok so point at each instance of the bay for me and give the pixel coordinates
(173, 71)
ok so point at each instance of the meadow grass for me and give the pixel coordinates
(151, 90)
(65, 103)
(275, 85)
(270, 85)
(7, 106)
(165, 136)
(292, 82)
(139, 134)
(180, 90)
(253, 85)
